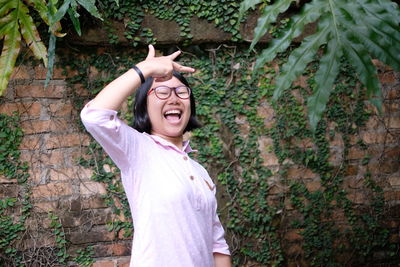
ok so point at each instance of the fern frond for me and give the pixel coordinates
(300, 57)
(359, 29)
(311, 13)
(31, 35)
(269, 15)
(324, 78)
(356, 53)
(9, 54)
(246, 5)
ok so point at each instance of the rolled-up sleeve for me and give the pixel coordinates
(219, 242)
(116, 138)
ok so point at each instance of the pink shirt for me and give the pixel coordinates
(171, 196)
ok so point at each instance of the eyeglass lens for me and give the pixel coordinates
(163, 92)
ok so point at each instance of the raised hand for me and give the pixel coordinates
(161, 68)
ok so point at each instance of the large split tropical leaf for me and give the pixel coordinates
(16, 22)
(360, 30)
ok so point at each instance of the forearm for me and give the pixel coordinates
(222, 260)
(115, 93)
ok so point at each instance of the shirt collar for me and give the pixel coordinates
(186, 148)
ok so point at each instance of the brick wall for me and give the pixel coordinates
(53, 142)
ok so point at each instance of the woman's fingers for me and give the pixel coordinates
(174, 55)
(180, 68)
(152, 52)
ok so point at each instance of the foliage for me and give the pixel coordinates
(17, 22)
(255, 217)
(358, 30)
(222, 14)
(13, 210)
(84, 258)
(59, 234)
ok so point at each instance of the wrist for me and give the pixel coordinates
(139, 73)
(144, 69)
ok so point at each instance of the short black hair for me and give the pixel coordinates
(141, 119)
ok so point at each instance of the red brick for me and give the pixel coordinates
(63, 174)
(35, 126)
(387, 77)
(39, 91)
(66, 140)
(351, 170)
(123, 261)
(94, 202)
(80, 90)
(92, 188)
(393, 93)
(392, 195)
(377, 137)
(373, 123)
(53, 157)
(52, 190)
(20, 72)
(394, 181)
(313, 186)
(104, 263)
(295, 250)
(4, 180)
(357, 198)
(391, 107)
(296, 172)
(294, 235)
(22, 108)
(30, 142)
(353, 183)
(45, 207)
(60, 109)
(95, 235)
(40, 72)
(392, 122)
(356, 153)
(384, 167)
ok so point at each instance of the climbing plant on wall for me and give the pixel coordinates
(255, 216)
(14, 211)
(357, 30)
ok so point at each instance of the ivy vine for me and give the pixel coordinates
(256, 219)
(14, 211)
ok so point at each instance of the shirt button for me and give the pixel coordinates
(185, 158)
(191, 177)
(111, 117)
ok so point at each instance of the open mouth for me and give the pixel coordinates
(173, 115)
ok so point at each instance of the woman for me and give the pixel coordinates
(171, 197)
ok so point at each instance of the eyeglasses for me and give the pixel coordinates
(163, 92)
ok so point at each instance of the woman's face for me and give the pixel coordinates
(168, 117)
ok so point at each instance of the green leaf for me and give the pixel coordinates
(362, 29)
(356, 54)
(60, 12)
(246, 5)
(51, 54)
(9, 54)
(89, 5)
(31, 35)
(310, 13)
(269, 15)
(75, 21)
(324, 78)
(300, 57)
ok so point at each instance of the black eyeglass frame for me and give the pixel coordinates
(170, 92)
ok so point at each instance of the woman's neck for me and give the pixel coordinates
(175, 140)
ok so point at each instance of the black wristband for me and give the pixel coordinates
(140, 73)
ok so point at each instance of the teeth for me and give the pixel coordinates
(173, 112)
